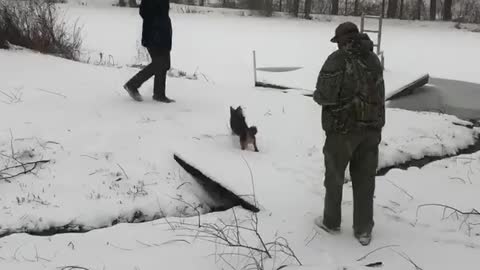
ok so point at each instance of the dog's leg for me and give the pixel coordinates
(255, 144)
(243, 144)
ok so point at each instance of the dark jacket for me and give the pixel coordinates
(157, 27)
(351, 89)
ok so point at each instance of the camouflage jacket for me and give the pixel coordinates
(351, 90)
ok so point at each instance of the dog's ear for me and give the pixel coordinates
(253, 130)
(232, 110)
(240, 110)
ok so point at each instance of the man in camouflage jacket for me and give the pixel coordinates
(351, 91)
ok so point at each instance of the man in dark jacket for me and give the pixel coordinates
(351, 91)
(157, 38)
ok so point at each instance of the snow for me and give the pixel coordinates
(278, 42)
(111, 157)
(91, 147)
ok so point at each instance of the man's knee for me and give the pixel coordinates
(333, 182)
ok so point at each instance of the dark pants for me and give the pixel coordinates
(158, 67)
(361, 150)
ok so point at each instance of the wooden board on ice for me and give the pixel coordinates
(278, 69)
(401, 88)
(304, 81)
(225, 166)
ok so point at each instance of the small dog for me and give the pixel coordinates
(240, 128)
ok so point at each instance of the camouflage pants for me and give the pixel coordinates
(361, 151)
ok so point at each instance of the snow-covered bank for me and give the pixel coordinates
(112, 158)
(115, 156)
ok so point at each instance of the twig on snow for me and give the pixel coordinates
(12, 97)
(388, 208)
(183, 184)
(51, 92)
(144, 244)
(72, 267)
(38, 257)
(195, 208)
(229, 235)
(25, 171)
(123, 170)
(458, 178)
(401, 189)
(457, 212)
(311, 238)
(12, 149)
(89, 157)
(164, 243)
(252, 180)
(472, 212)
(375, 250)
(406, 257)
(126, 249)
(375, 264)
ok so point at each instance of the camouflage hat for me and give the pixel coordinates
(344, 29)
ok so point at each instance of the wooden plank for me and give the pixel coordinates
(396, 83)
(408, 89)
(270, 85)
(278, 69)
(214, 187)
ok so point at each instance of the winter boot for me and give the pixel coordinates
(163, 99)
(319, 223)
(364, 238)
(133, 93)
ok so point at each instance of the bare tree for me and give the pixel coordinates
(295, 7)
(308, 8)
(334, 7)
(392, 8)
(267, 7)
(383, 8)
(402, 4)
(3, 42)
(433, 10)
(419, 10)
(252, 4)
(447, 10)
(356, 8)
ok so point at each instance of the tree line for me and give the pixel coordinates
(447, 10)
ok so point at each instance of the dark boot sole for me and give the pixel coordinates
(134, 96)
(167, 100)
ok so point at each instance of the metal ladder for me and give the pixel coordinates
(378, 32)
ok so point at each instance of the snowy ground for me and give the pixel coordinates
(411, 47)
(112, 158)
